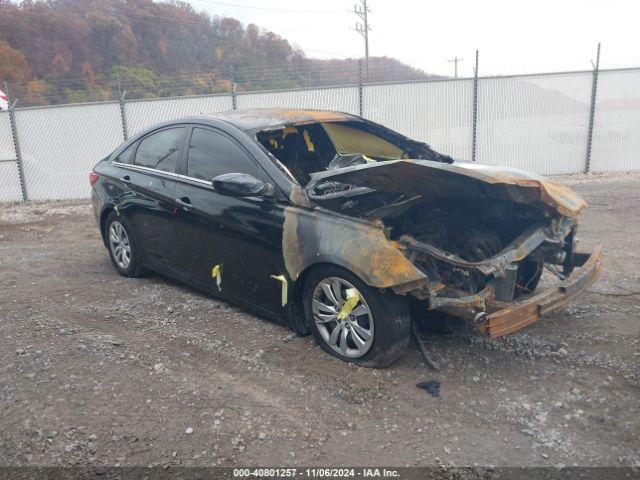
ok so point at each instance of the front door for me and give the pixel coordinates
(231, 244)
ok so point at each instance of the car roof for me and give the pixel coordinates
(273, 118)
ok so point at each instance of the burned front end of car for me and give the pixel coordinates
(481, 237)
(457, 237)
(482, 264)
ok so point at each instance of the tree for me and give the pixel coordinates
(13, 64)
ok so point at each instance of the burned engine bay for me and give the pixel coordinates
(461, 244)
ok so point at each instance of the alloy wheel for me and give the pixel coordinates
(343, 318)
(119, 244)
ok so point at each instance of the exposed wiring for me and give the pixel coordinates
(432, 363)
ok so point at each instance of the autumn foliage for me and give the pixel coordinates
(83, 50)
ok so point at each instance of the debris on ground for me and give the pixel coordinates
(431, 386)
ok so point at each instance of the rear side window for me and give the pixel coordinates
(127, 155)
(161, 150)
(212, 154)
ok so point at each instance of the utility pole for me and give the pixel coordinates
(363, 29)
(455, 61)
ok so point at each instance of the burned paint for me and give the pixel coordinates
(363, 247)
(512, 317)
(431, 180)
(298, 196)
(312, 237)
(274, 118)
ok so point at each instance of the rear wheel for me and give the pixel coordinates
(122, 247)
(353, 321)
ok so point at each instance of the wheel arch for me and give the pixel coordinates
(103, 220)
(298, 284)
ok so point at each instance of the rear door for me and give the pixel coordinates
(147, 183)
(242, 237)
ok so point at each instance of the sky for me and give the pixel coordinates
(512, 36)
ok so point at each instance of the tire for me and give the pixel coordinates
(117, 233)
(386, 312)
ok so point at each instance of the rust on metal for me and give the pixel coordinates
(358, 246)
(431, 179)
(273, 118)
(517, 316)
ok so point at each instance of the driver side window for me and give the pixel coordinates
(212, 154)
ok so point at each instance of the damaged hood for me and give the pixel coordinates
(431, 179)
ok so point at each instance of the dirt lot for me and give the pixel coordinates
(99, 369)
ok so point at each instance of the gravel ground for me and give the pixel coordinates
(97, 369)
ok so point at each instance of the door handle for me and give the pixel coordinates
(184, 201)
(125, 179)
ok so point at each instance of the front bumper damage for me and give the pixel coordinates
(505, 318)
(495, 318)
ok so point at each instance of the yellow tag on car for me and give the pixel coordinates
(216, 272)
(353, 297)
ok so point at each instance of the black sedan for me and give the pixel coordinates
(338, 226)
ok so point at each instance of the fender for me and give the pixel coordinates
(310, 237)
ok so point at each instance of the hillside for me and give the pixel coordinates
(81, 50)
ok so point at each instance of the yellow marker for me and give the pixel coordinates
(353, 297)
(308, 141)
(285, 285)
(216, 272)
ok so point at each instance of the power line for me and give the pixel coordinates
(363, 29)
(282, 10)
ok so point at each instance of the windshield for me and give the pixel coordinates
(316, 147)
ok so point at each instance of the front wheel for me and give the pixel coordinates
(353, 321)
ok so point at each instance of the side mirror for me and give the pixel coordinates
(241, 185)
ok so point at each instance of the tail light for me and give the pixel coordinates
(93, 178)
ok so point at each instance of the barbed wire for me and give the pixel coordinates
(248, 79)
(329, 70)
(204, 81)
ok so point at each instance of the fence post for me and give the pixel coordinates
(474, 126)
(234, 100)
(123, 112)
(360, 90)
(592, 111)
(16, 144)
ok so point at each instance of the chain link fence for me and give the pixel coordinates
(616, 129)
(344, 99)
(538, 123)
(141, 114)
(60, 146)
(436, 112)
(9, 176)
